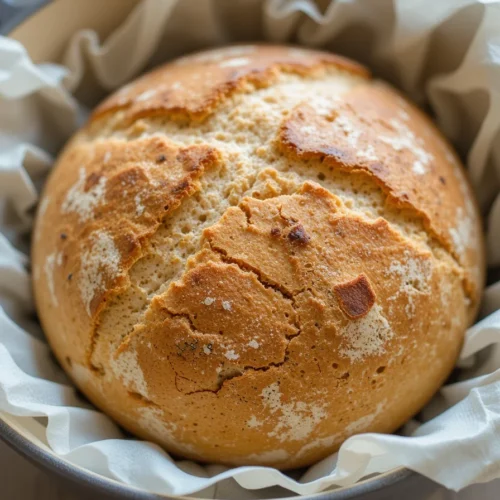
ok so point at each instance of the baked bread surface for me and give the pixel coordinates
(252, 253)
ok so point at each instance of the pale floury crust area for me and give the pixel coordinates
(255, 252)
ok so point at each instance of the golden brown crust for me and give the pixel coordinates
(267, 278)
(304, 363)
(193, 86)
(372, 129)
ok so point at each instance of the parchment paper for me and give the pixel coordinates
(446, 55)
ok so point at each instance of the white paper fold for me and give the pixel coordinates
(447, 53)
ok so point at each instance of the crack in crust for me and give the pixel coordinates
(240, 371)
(396, 148)
(363, 294)
(233, 371)
(249, 268)
(469, 281)
(162, 285)
(267, 282)
(160, 199)
(297, 235)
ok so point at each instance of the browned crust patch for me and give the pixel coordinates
(356, 297)
(298, 235)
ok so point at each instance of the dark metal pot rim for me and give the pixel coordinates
(23, 14)
(66, 470)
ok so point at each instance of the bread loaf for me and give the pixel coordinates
(252, 253)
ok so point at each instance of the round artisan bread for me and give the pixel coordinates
(253, 253)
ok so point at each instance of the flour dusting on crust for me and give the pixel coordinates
(139, 207)
(269, 457)
(50, 263)
(44, 204)
(217, 55)
(153, 420)
(42, 208)
(81, 201)
(366, 336)
(253, 422)
(126, 366)
(363, 423)
(235, 62)
(103, 259)
(147, 94)
(323, 443)
(415, 276)
(462, 234)
(297, 419)
(405, 139)
(230, 354)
